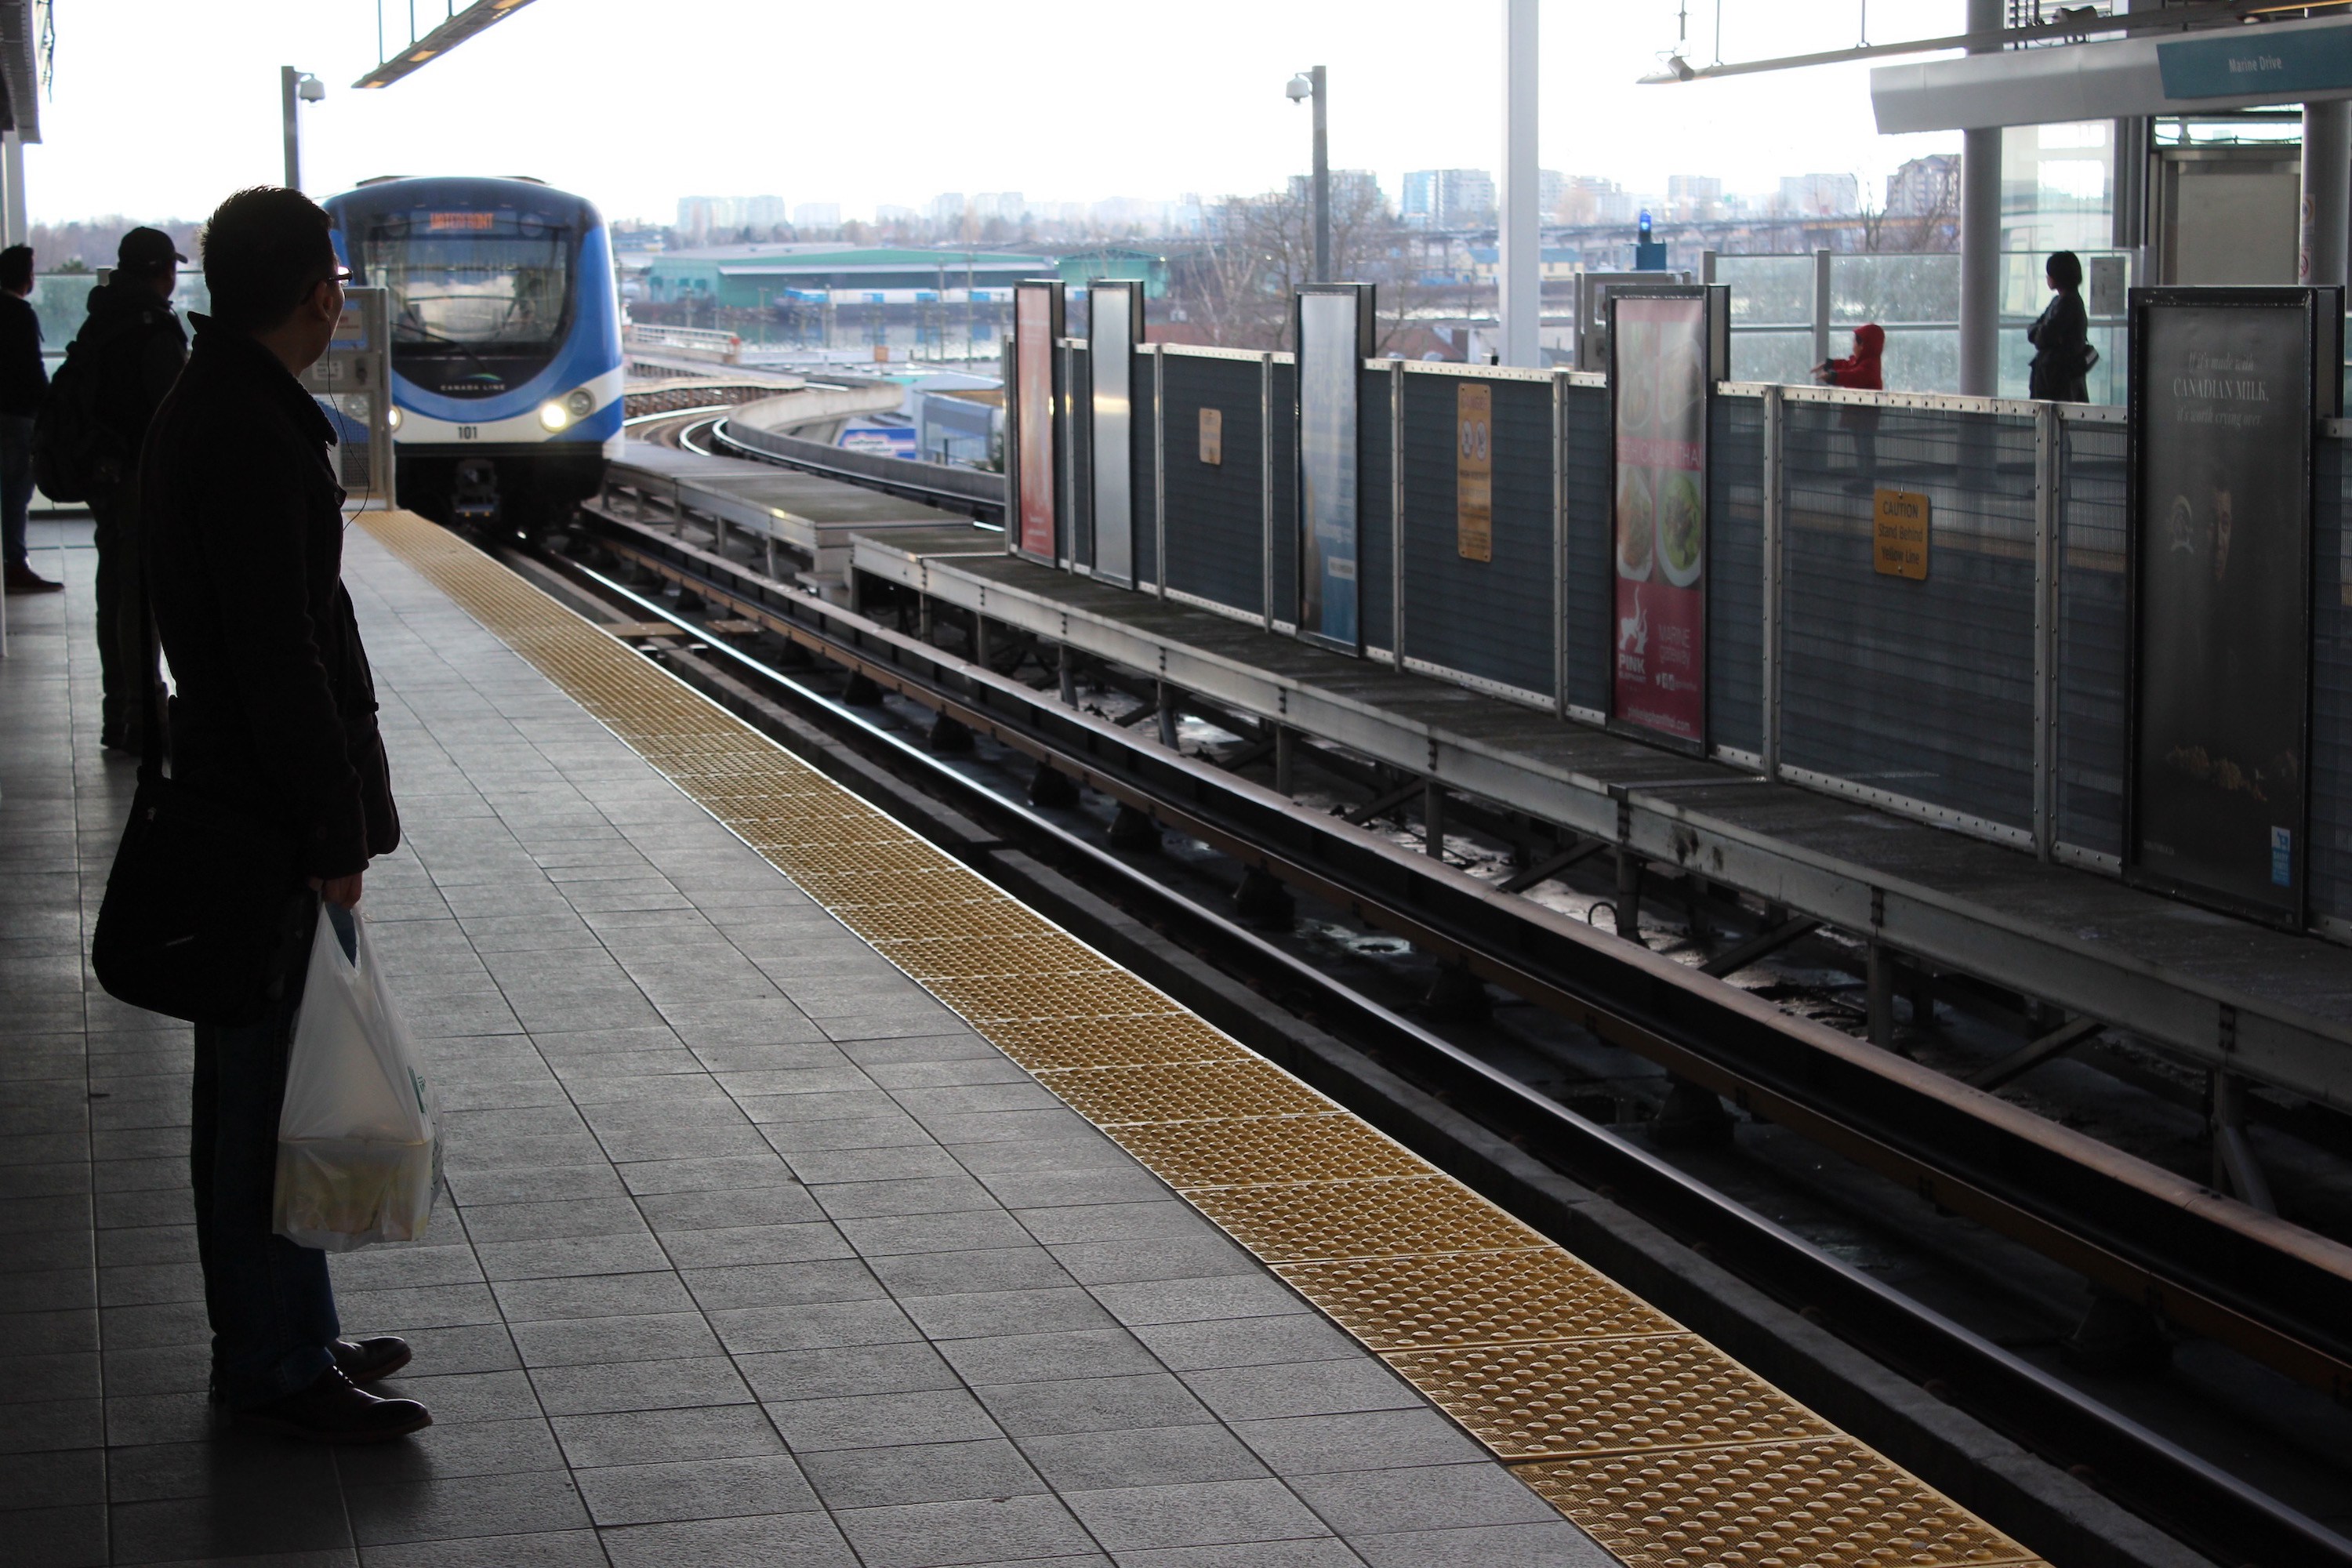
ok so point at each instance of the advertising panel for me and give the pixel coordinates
(2223, 403)
(1334, 335)
(1114, 327)
(1659, 378)
(1036, 325)
(1474, 471)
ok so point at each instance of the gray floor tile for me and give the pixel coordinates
(1193, 1513)
(978, 1313)
(873, 1421)
(922, 1535)
(654, 1436)
(580, 1341)
(920, 1472)
(1302, 1388)
(1141, 1455)
(639, 1386)
(696, 1489)
(1326, 1551)
(1366, 1440)
(1556, 1544)
(1092, 1404)
(887, 1368)
(1040, 1357)
(460, 1508)
(746, 1331)
(1425, 1496)
(562, 1549)
(801, 1539)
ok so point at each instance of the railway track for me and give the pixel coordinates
(2132, 1231)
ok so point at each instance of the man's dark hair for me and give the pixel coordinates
(264, 250)
(16, 267)
(2064, 268)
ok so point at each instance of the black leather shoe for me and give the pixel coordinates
(364, 1361)
(332, 1411)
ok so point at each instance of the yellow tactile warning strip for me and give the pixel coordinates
(1660, 1446)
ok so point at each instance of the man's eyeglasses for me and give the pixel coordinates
(341, 277)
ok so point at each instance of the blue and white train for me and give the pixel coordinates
(505, 341)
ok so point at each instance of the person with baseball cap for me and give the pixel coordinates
(138, 347)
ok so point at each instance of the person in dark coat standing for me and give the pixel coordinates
(242, 530)
(2060, 336)
(138, 347)
(22, 384)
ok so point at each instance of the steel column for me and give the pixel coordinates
(1396, 510)
(1559, 543)
(2327, 191)
(1158, 471)
(1775, 484)
(1265, 481)
(1520, 256)
(1980, 235)
(2048, 443)
(1822, 305)
(18, 230)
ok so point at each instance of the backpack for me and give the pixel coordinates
(75, 453)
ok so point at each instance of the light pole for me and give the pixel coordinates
(295, 89)
(1310, 84)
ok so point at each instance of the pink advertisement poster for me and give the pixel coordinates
(1657, 375)
(1033, 336)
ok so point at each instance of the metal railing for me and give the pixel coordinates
(691, 342)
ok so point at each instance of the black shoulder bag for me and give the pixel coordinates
(206, 912)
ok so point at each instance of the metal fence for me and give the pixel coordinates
(1989, 697)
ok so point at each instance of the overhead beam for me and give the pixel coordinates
(459, 26)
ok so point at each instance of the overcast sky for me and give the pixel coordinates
(161, 107)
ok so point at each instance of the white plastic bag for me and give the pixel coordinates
(358, 1146)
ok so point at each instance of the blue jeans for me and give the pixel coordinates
(15, 484)
(270, 1302)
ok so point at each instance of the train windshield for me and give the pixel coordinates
(495, 285)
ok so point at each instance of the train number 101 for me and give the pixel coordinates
(469, 432)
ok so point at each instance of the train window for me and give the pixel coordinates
(472, 287)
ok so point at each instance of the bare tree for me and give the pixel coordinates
(1237, 287)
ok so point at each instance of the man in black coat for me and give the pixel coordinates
(274, 715)
(23, 383)
(138, 347)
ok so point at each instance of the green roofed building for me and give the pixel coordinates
(749, 276)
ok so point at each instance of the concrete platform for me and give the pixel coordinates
(758, 1253)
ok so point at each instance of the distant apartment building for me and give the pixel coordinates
(1352, 190)
(817, 214)
(1925, 186)
(700, 218)
(1008, 207)
(947, 208)
(1448, 198)
(891, 212)
(1589, 199)
(1820, 195)
(1694, 197)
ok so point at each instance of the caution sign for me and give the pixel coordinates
(1474, 471)
(1901, 550)
(1213, 437)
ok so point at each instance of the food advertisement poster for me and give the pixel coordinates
(2221, 423)
(1037, 323)
(1332, 322)
(1474, 471)
(1114, 327)
(1658, 385)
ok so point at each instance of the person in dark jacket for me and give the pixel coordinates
(274, 714)
(1861, 371)
(138, 347)
(2060, 336)
(23, 383)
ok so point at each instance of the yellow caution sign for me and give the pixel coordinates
(1901, 547)
(1474, 471)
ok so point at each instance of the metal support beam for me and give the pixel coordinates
(1881, 987)
(1065, 674)
(1775, 433)
(1630, 868)
(1544, 871)
(2235, 1168)
(1381, 806)
(1285, 759)
(2326, 192)
(1822, 306)
(1433, 819)
(1771, 940)
(1980, 235)
(2047, 447)
(19, 228)
(1322, 175)
(2025, 1058)
(1166, 704)
(1520, 271)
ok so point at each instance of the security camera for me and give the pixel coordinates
(1299, 89)
(309, 88)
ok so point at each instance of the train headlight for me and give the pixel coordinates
(554, 416)
(392, 419)
(580, 402)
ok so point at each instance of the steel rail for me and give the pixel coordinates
(2174, 1488)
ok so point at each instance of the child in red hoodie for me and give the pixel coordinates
(1861, 372)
